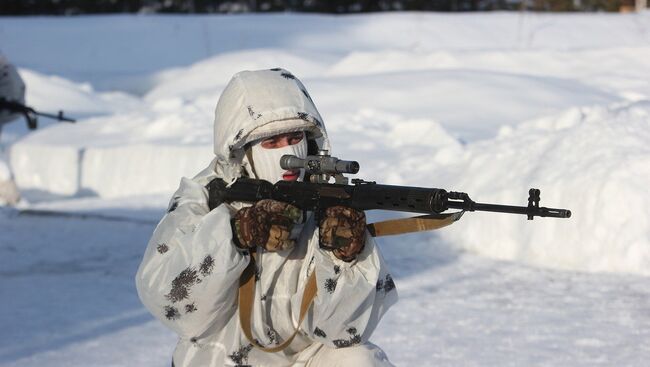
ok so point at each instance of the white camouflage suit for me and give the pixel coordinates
(190, 272)
(12, 89)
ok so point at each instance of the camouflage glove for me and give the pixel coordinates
(343, 230)
(268, 223)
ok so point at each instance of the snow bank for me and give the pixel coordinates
(491, 105)
(5, 173)
(50, 93)
(387, 149)
(472, 104)
(123, 51)
(139, 152)
(614, 69)
(107, 172)
(143, 146)
(594, 161)
(214, 73)
(140, 169)
(46, 169)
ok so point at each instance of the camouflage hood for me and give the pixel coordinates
(12, 88)
(259, 104)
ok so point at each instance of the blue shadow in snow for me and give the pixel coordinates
(66, 280)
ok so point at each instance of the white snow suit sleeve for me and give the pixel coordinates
(352, 297)
(12, 89)
(190, 271)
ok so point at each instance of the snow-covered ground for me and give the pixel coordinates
(490, 104)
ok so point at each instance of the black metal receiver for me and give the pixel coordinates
(364, 195)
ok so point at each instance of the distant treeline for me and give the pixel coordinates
(74, 7)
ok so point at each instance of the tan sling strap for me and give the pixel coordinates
(247, 296)
(385, 228)
(413, 224)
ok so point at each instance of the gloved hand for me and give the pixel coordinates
(343, 230)
(268, 223)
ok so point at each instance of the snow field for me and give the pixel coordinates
(73, 303)
(146, 151)
(5, 173)
(594, 161)
(185, 120)
(161, 42)
(490, 104)
(464, 311)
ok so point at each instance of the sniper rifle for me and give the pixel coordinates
(30, 114)
(317, 194)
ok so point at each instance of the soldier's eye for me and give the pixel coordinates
(269, 143)
(295, 138)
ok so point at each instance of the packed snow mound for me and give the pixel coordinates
(133, 153)
(496, 96)
(215, 72)
(431, 100)
(5, 173)
(594, 161)
(621, 64)
(440, 94)
(470, 104)
(128, 147)
(386, 147)
(122, 51)
(147, 147)
(50, 93)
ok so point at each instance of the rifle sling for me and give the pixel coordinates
(247, 297)
(413, 224)
(385, 228)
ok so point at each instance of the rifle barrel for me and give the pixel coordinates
(58, 116)
(525, 210)
(27, 111)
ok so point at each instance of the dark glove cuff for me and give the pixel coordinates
(235, 234)
(345, 259)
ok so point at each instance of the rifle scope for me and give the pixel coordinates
(319, 164)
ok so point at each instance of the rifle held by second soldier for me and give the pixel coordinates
(30, 114)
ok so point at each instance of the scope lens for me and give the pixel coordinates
(353, 167)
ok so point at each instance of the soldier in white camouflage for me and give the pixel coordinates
(12, 89)
(191, 271)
